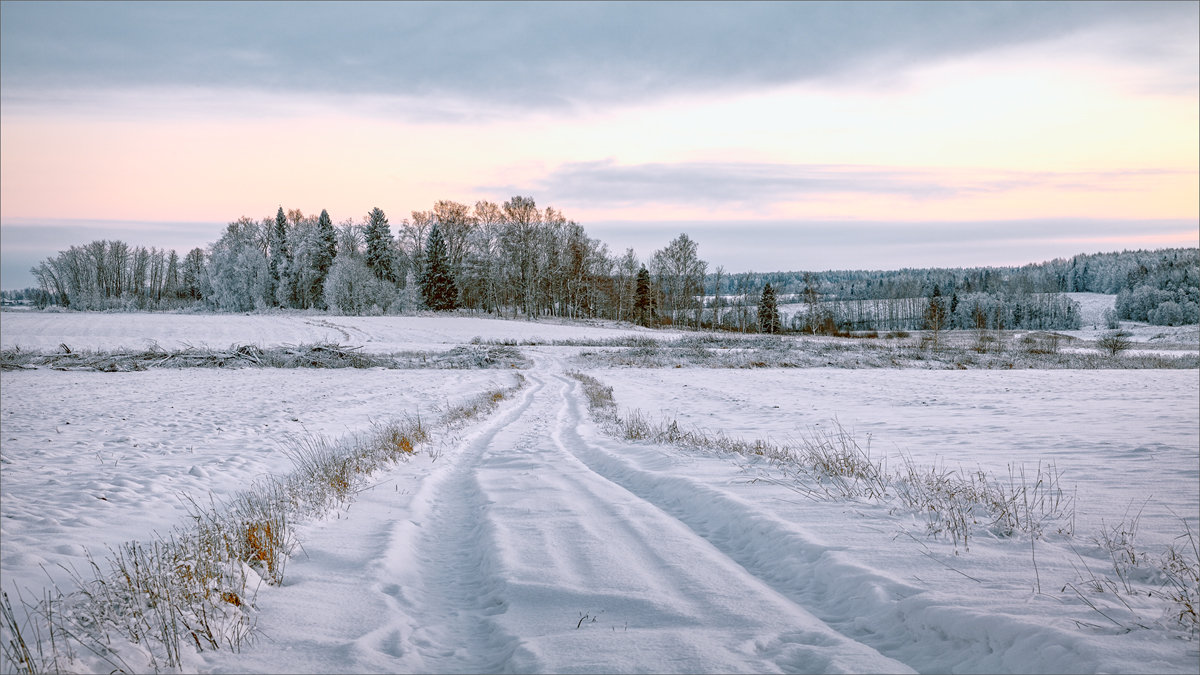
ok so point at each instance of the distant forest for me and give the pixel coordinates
(517, 260)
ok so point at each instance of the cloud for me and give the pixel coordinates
(541, 56)
(606, 184)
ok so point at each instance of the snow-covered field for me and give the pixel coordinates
(93, 459)
(1120, 436)
(46, 330)
(1091, 312)
(533, 541)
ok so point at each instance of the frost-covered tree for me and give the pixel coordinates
(352, 288)
(325, 254)
(303, 285)
(438, 289)
(935, 313)
(456, 222)
(171, 280)
(768, 312)
(410, 295)
(238, 273)
(681, 277)
(380, 254)
(195, 276)
(280, 258)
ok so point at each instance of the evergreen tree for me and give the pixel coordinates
(326, 252)
(380, 256)
(278, 263)
(768, 312)
(437, 282)
(643, 305)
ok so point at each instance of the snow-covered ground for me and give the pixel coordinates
(1119, 436)
(94, 459)
(534, 542)
(87, 330)
(1091, 310)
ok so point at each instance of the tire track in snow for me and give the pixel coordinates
(439, 569)
(864, 605)
(523, 539)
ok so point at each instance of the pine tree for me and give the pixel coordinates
(279, 262)
(643, 305)
(437, 282)
(768, 312)
(380, 257)
(326, 252)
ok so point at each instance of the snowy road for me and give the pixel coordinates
(523, 528)
(516, 554)
(535, 543)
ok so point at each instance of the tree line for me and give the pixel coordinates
(1160, 287)
(515, 259)
(512, 259)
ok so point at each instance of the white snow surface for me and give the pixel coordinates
(1120, 437)
(90, 460)
(44, 331)
(534, 542)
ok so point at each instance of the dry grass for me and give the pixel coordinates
(954, 503)
(833, 465)
(959, 350)
(321, 355)
(196, 587)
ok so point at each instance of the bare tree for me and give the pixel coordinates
(681, 277)
(717, 302)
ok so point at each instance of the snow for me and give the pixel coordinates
(44, 331)
(1092, 307)
(1119, 436)
(90, 460)
(533, 541)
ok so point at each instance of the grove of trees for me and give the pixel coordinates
(516, 259)
(512, 259)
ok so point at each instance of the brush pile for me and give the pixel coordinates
(319, 355)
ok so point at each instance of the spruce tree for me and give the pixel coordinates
(437, 282)
(768, 312)
(278, 263)
(643, 305)
(326, 252)
(380, 258)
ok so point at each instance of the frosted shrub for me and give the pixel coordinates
(1111, 320)
(1115, 342)
(353, 289)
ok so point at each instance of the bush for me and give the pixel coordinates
(352, 288)
(1115, 342)
(1111, 320)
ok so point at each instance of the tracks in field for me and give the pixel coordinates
(538, 548)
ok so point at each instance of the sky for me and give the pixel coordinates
(779, 136)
